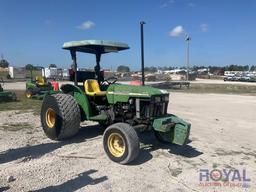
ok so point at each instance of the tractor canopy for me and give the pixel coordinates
(95, 46)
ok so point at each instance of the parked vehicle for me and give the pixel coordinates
(39, 87)
(6, 95)
(123, 109)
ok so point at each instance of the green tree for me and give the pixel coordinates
(52, 65)
(150, 69)
(29, 67)
(253, 68)
(4, 63)
(123, 68)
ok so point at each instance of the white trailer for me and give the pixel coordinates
(50, 73)
(17, 72)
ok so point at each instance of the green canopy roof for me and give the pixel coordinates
(95, 46)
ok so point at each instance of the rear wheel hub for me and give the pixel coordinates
(50, 117)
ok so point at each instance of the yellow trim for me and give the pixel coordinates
(92, 88)
(116, 144)
(40, 80)
(50, 117)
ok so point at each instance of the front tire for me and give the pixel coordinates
(121, 143)
(60, 116)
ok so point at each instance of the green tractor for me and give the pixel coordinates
(6, 95)
(123, 109)
(38, 87)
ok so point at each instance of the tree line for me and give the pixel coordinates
(232, 67)
(152, 69)
(32, 67)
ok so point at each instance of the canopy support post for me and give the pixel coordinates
(97, 67)
(73, 56)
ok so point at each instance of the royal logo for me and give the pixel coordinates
(224, 177)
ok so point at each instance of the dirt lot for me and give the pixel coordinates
(219, 81)
(222, 137)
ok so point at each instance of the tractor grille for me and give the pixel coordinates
(158, 109)
(159, 105)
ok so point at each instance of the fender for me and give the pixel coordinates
(80, 98)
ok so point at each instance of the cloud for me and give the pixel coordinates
(164, 5)
(167, 3)
(204, 27)
(191, 4)
(177, 31)
(86, 25)
(47, 22)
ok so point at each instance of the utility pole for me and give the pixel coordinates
(187, 39)
(142, 52)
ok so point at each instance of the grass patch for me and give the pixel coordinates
(22, 104)
(218, 88)
(16, 126)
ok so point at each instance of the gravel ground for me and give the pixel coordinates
(222, 137)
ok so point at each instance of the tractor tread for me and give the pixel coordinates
(68, 116)
(70, 113)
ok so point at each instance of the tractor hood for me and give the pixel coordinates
(122, 93)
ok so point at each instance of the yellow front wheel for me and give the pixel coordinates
(116, 144)
(121, 143)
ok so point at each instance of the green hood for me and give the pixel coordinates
(122, 93)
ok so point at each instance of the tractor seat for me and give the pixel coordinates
(40, 80)
(92, 88)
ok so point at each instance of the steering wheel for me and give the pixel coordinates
(109, 81)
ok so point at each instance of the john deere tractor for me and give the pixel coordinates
(38, 87)
(6, 95)
(124, 110)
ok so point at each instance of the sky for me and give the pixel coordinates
(222, 31)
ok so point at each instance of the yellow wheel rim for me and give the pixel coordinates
(116, 144)
(50, 117)
(28, 95)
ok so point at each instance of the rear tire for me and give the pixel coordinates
(60, 116)
(121, 143)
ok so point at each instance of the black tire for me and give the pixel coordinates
(66, 116)
(130, 140)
